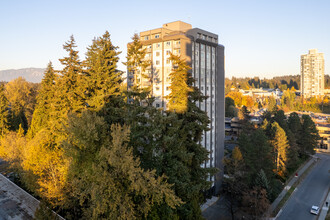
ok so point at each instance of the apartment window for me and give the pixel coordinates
(157, 105)
(156, 36)
(168, 79)
(204, 37)
(157, 54)
(168, 43)
(146, 37)
(157, 62)
(158, 45)
(167, 88)
(168, 61)
(157, 88)
(199, 35)
(168, 52)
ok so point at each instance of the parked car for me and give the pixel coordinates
(315, 210)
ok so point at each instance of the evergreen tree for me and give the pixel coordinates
(103, 78)
(69, 94)
(45, 102)
(136, 60)
(280, 144)
(294, 123)
(309, 136)
(263, 182)
(184, 155)
(293, 134)
(105, 176)
(257, 154)
(178, 98)
(4, 111)
(280, 118)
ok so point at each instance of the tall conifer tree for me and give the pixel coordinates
(178, 98)
(136, 60)
(69, 93)
(309, 136)
(183, 155)
(280, 144)
(103, 78)
(45, 101)
(4, 110)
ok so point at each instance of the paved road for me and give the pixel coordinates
(312, 191)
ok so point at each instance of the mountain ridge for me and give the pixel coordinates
(31, 74)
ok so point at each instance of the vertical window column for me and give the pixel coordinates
(213, 100)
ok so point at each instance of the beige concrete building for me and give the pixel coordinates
(206, 57)
(312, 74)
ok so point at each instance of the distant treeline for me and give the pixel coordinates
(281, 82)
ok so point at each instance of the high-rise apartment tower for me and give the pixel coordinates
(206, 58)
(312, 74)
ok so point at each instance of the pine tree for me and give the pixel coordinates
(178, 98)
(69, 94)
(257, 154)
(294, 123)
(4, 111)
(281, 119)
(137, 63)
(263, 182)
(45, 102)
(309, 136)
(183, 154)
(103, 78)
(280, 144)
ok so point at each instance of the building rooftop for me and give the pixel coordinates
(15, 203)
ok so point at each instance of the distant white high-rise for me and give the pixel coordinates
(312, 74)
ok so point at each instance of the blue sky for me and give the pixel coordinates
(262, 38)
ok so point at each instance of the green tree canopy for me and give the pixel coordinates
(103, 78)
(178, 98)
(4, 111)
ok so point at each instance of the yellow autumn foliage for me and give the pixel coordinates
(12, 147)
(45, 160)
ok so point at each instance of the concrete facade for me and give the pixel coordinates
(205, 56)
(312, 74)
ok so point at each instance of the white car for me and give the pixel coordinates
(315, 210)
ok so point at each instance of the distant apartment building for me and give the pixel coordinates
(205, 56)
(312, 74)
